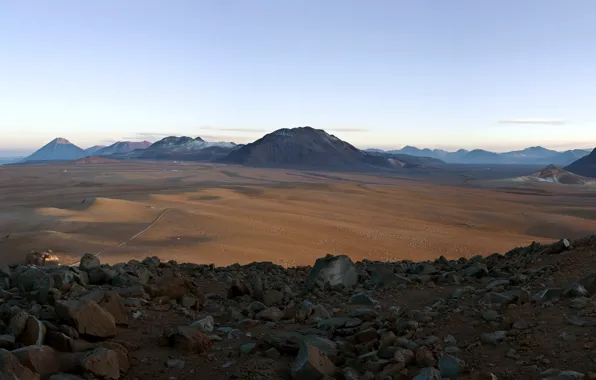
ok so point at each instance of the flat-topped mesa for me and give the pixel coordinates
(339, 318)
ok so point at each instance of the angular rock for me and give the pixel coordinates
(87, 317)
(449, 366)
(332, 271)
(101, 363)
(122, 352)
(7, 342)
(575, 290)
(558, 247)
(270, 297)
(65, 376)
(271, 314)
(34, 333)
(40, 359)
(173, 288)
(428, 373)
(362, 299)
(12, 369)
(89, 262)
(114, 304)
(547, 295)
(188, 338)
(425, 357)
(311, 364)
(494, 338)
(205, 325)
(18, 323)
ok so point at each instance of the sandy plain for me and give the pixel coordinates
(207, 213)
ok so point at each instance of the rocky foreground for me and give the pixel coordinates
(528, 314)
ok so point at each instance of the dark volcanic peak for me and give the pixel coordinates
(585, 166)
(56, 150)
(312, 148)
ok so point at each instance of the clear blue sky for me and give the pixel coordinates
(376, 73)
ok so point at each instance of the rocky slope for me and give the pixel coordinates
(528, 314)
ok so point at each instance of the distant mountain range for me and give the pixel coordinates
(119, 147)
(183, 148)
(536, 155)
(306, 147)
(60, 149)
(10, 160)
(585, 166)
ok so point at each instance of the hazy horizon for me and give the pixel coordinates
(499, 76)
(4, 153)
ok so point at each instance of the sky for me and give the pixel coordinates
(498, 75)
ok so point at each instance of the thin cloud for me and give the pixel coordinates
(348, 129)
(234, 129)
(149, 136)
(532, 121)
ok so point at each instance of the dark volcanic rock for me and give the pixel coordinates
(332, 271)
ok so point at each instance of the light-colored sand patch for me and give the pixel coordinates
(103, 210)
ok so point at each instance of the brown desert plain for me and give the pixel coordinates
(208, 213)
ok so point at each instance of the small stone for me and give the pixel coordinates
(449, 366)
(429, 373)
(425, 357)
(311, 364)
(12, 369)
(272, 353)
(175, 363)
(248, 348)
(350, 374)
(403, 355)
(362, 299)
(450, 340)
(497, 283)
(271, 314)
(521, 324)
(88, 262)
(206, 324)
(188, 338)
(34, 333)
(18, 323)
(88, 318)
(490, 315)
(40, 359)
(101, 363)
(188, 301)
(494, 338)
(7, 342)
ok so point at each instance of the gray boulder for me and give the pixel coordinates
(332, 271)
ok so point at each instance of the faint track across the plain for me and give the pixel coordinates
(131, 239)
